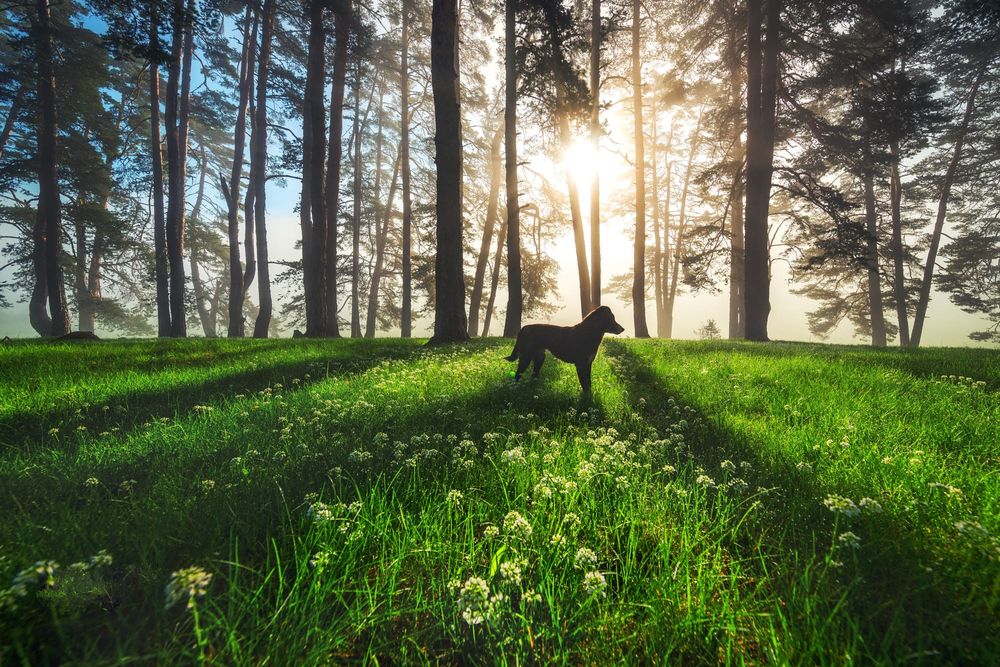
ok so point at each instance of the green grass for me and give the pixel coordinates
(370, 501)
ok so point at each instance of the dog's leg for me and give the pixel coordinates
(583, 373)
(538, 360)
(522, 365)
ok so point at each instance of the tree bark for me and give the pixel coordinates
(250, 226)
(639, 254)
(380, 243)
(737, 328)
(492, 205)
(200, 296)
(232, 191)
(898, 277)
(38, 314)
(334, 165)
(178, 112)
(450, 323)
(356, 227)
(495, 279)
(595, 138)
(576, 216)
(406, 313)
(762, 86)
(942, 209)
(314, 240)
(258, 170)
(665, 330)
(657, 241)
(159, 221)
(874, 276)
(515, 298)
(49, 204)
(682, 219)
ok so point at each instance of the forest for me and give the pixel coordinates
(264, 267)
(346, 169)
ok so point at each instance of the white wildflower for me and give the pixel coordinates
(849, 539)
(841, 505)
(585, 558)
(594, 583)
(517, 525)
(187, 584)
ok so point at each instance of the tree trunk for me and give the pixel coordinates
(737, 322)
(49, 204)
(682, 219)
(898, 277)
(334, 166)
(495, 279)
(356, 227)
(492, 205)
(159, 222)
(665, 327)
(200, 297)
(874, 276)
(84, 315)
(515, 298)
(450, 323)
(258, 170)
(314, 239)
(178, 112)
(250, 226)
(576, 216)
(232, 192)
(657, 243)
(639, 256)
(38, 314)
(942, 210)
(762, 86)
(380, 243)
(94, 280)
(595, 138)
(406, 316)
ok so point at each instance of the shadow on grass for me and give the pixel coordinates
(126, 409)
(165, 522)
(902, 609)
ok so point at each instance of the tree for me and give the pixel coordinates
(406, 316)
(639, 259)
(49, 204)
(314, 232)
(595, 138)
(492, 206)
(450, 323)
(515, 297)
(258, 172)
(178, 107)
(762, 87)
(231, 191)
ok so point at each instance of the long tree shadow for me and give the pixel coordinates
(125, 408)
(892, 595)
(162, 518)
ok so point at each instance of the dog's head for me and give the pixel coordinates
(603, 319)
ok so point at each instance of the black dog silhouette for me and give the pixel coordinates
(575, 345)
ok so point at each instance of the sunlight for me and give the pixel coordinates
(581, 161)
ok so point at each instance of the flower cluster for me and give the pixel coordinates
(187, 585)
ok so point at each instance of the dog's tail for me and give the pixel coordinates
(514, 353)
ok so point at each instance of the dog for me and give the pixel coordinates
(575, 345)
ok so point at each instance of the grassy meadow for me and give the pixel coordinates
(317, 502)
